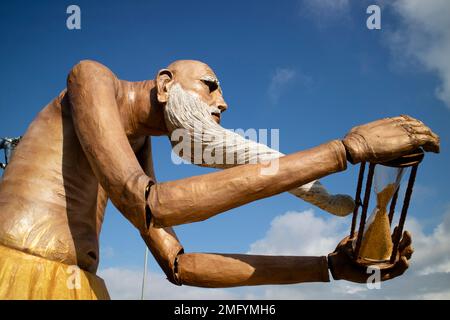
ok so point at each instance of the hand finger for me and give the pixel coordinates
(405, 120)
(405, 242)
(407, 252)
(435, 136)
(405, 246)
(342, 244)
(421, 128)
(402, 117)
(400, 267)
(413, 121)
(394, 233)
(428, 142)
(437, 141)
(431, 141)
(432, 146)
(416, 128)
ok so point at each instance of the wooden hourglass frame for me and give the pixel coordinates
(411, 160)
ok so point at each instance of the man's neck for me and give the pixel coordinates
(140, 110)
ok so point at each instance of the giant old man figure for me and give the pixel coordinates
(92, 143)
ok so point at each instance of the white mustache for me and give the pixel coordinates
(215, 110)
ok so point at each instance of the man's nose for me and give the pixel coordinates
(221, 105)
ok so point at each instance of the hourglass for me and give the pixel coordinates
(373, 244)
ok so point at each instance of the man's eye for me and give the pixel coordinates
(211, 85)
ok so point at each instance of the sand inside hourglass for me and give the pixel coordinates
(377, 242)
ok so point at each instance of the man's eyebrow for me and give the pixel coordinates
(210, 78)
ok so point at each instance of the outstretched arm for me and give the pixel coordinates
(223, 270)
(201, 197)
(229, 270)
(215, 270)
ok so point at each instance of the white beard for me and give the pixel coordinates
(188, 117)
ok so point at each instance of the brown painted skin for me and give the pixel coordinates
(90, 144)
(51, 202)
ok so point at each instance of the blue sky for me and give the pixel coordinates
(311, 69)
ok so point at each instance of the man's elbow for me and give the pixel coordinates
(169, 206)
(175, 203)
(156, 208)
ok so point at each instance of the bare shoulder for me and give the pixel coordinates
(90, 69)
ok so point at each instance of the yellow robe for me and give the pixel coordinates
(24, 276)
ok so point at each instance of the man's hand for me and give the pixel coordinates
(389, 138)
(342, 266)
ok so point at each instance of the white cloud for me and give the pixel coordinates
(303, 233)
(280, 80)
(424, 37)
(432, 252)
(421, 39)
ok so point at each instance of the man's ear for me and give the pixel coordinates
(164, 80)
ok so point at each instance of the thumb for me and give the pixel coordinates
(400, 267)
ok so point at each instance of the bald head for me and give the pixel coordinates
(195, 77)
(190, 68)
